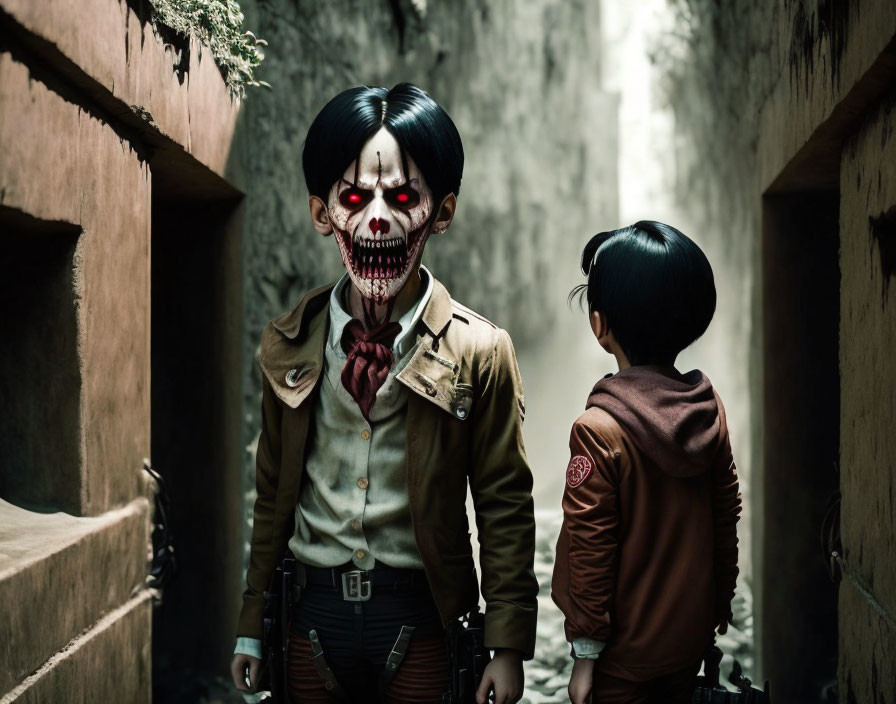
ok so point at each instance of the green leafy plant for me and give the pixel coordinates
(218, 25)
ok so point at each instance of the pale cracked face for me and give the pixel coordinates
(381, 212)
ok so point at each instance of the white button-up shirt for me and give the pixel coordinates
(353, 505)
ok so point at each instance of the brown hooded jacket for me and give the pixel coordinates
(647, 555)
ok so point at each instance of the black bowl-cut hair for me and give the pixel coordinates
(420, 126)
(655, 286)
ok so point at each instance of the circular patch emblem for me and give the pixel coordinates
(578, 470)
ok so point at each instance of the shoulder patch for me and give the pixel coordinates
(578, 470)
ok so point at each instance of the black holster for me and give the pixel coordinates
(467, 658)
(282, 595)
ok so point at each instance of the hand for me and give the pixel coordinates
(581, 681)
(238, 667)
(504, 674)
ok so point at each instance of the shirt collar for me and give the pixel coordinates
(404, 341)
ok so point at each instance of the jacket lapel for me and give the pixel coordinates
(292, 348)
(433, 372)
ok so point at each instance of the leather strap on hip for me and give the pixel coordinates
(334, 689)
(399, 650)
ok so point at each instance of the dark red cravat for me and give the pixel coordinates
(369, 360)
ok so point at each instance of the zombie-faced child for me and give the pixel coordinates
(383, 400)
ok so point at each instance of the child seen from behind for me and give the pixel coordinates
(647, 556)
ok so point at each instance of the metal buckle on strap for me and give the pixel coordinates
(355, 587)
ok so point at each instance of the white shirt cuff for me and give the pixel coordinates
(248, 646)
(587, 648)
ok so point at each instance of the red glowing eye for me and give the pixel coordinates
(354, 198)
(402, 197)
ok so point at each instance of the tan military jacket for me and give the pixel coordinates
(465, 417)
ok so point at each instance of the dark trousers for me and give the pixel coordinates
(674, 688)
(357, 638)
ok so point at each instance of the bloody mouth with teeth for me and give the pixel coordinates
(382, 263)
(380, 259)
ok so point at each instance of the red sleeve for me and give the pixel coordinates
(726, 508)
(586, 561)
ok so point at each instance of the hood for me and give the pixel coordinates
(674, 419)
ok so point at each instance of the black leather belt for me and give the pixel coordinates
(359, 585)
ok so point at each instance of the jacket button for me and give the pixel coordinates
(356, 524)
(360, 554)
(460, 412)
(365, 435)
(292, 378)
(363, 483)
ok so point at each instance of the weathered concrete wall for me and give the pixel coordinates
(764, 97)
(868, 410)
(51, 146)
(107, 51)
(522, 83)
(93, 115)
(95, 167)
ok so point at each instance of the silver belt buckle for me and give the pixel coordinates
(354, 587)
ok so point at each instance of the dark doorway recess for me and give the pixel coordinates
(196, 396)
(40, 379)
(801, 425)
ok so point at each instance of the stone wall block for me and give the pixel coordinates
(109, 663)
(59, 575)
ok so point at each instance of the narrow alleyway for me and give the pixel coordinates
(154, 218)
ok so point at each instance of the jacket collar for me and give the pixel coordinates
(297, 321)
(437, 314)
(292, 353)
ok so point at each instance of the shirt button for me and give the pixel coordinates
(363, 483)
(356, 525)
(365, 435)
(360, 554)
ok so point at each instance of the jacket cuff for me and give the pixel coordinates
(248, 646)
(510, 625)
(587, 648)
(251, 623)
